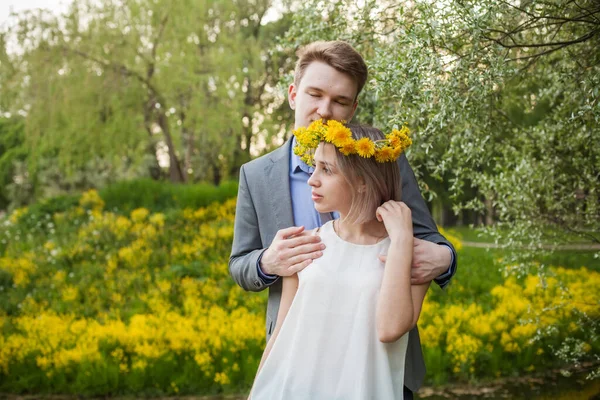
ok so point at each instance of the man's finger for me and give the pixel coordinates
(382, 258)
(287, 232)
(305, 249)
(302, 240)
(294, 269)
(305, 256)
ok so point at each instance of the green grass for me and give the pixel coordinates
(478, 235)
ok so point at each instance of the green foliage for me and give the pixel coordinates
(122, 90)
(163, 196)
(510, 130)
(41, 211)
(12, 150)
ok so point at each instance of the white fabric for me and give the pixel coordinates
(328, 348)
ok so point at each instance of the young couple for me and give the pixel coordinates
(345, 294)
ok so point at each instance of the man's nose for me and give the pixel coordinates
(324, 110)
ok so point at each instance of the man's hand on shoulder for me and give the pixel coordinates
(430, 260)
(292, 250)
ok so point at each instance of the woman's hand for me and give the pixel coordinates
(397, 218)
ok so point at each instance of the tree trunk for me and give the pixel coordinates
(217, 176)
(188, 145)
(154, 169)
(489, 209)
(188, 138)
(175, 173)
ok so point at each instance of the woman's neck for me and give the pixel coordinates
(369, 232)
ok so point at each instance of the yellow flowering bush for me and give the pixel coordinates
(98, 303)
(17, 214)
(20, 268)
(128, 303)
(91, 200)
(510, 334)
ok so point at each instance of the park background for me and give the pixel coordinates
(123, 125)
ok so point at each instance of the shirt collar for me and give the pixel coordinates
(296, 164)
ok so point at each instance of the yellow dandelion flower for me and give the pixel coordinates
(308, 159)
(299, 150)
(384, 154)
(407, 142)
(404, 131)
(317, 125)
(396, 152)
(301, 137)
(348, 148)
(394, 141)
(365, 147)
(338, 135)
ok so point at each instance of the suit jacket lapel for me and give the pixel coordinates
(278, 178)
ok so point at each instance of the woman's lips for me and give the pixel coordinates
(316, 197)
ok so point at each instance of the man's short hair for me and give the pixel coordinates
(337, 54)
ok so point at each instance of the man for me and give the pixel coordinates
(274, 202)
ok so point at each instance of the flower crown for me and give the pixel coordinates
(338, 134)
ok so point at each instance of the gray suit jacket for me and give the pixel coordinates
(264, 206)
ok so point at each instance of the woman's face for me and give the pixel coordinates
(330, 190)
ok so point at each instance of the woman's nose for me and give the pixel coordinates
(312, 181)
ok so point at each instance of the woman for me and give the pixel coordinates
(343, 322)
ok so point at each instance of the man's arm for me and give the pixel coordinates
(292, 248)
(247, 245)
(436, 257)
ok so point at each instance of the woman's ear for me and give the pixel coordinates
(361, 187)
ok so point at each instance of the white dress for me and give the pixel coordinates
(328, 347)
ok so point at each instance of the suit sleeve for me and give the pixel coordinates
(247, 245)
(423, 225)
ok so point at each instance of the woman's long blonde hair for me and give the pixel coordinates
(382, 180)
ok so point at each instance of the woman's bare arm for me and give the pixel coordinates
(289, 289)
(399, 304)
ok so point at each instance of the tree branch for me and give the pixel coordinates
(115, 66)
(581, 39)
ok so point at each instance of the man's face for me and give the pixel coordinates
(323, 92)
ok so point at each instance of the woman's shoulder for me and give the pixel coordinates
(319, 230)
